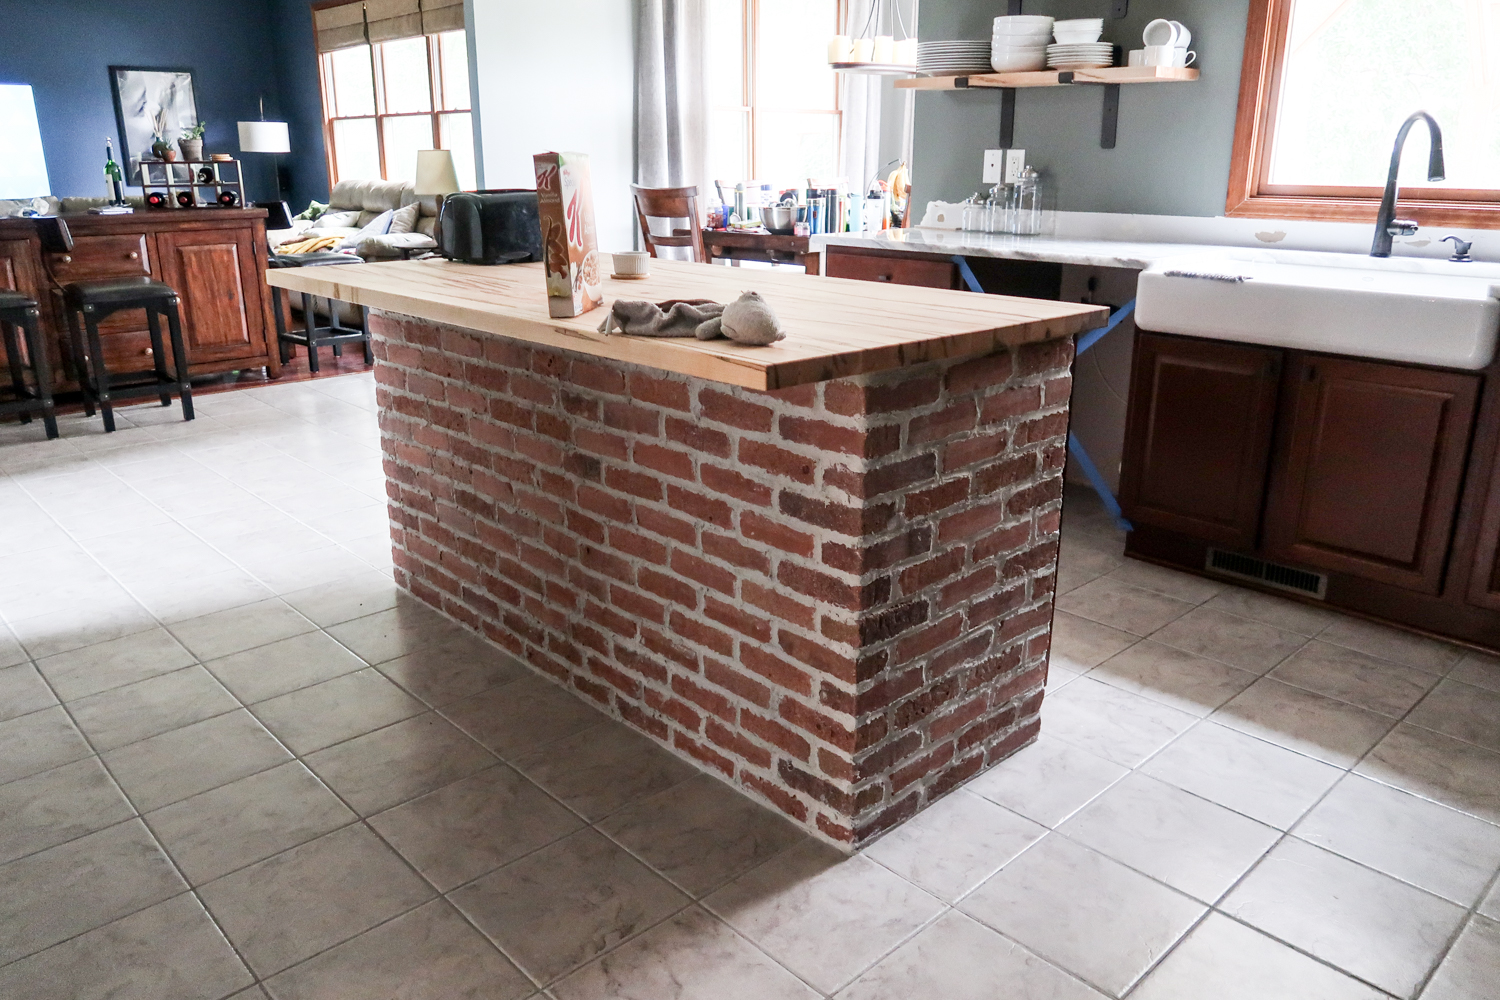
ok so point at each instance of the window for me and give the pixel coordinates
(774, 104)
(1327, 83)
(390, 88)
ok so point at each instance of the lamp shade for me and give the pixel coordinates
(435, 173)
(23, 170)
(264, 137)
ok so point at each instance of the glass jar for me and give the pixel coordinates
(995, 210)
(973, 215)
(1026, 204)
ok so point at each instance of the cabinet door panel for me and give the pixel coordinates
(17, 274)
(1198, 437)
(214, 274)
(891, 269)
(1374, 458)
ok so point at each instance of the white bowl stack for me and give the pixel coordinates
(952, 58)
(1078, 45)
(1019, 43)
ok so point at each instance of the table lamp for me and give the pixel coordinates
(435, 173)
(436, 176)
(266, 137)
(23, 171)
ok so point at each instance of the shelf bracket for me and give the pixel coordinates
(1007, 118)
(1119, 9)
(1110, 120)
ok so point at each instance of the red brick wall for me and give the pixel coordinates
(837, 596)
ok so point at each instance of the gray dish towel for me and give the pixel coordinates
(747, 320)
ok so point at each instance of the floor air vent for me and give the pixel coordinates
(1268, 573)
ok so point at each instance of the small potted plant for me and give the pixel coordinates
(160, 147)
(191, 142)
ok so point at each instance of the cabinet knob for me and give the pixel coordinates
(147, 352)
(882, 277)
(133, 255)
(65, 259)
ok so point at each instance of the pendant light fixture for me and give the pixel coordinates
(872, 51)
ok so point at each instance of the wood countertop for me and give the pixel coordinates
(835, 326)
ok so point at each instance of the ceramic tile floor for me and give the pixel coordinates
(235, 763)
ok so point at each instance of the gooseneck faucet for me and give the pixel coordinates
(1386, 223)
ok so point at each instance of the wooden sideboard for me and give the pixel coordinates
(214, 257)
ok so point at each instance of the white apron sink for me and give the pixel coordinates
(1427, 312)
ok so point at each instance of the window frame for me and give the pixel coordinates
(377, 82)
(749, 89)
(1250, 193)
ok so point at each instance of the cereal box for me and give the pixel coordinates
(574, 281)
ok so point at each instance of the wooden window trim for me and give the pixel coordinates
(750, 38)
(377, 82)
(1251, 196)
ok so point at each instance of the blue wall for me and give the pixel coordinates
(239, 51)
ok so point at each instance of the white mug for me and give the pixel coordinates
(1166, 55)
(1137, 57)
(1161, 33)
(1184, 36)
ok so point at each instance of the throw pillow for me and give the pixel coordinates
(314, 209)
(337, 220)
(378, 226)
(405, 219)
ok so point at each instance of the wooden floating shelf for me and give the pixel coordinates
(1053, 78)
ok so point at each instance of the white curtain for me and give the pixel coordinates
(671, 94)
(859, 97)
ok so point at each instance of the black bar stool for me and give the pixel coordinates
(313, 334)
(96, 300)
(21, 329)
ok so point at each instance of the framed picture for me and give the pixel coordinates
(148, 98)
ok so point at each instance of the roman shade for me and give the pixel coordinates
(359, 21)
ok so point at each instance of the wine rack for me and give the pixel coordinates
(193, 183)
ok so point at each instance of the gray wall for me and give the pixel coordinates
(1172, 157)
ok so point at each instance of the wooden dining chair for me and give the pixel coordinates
(670, 205)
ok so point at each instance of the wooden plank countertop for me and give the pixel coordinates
(834, 326)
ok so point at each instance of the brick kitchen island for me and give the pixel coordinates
(822, 570)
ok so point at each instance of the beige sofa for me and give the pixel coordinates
(370, 199)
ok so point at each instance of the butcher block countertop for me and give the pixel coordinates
(834, 326)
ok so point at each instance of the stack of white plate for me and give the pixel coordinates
(1087, 55)
(1019, 43)
(953, 58)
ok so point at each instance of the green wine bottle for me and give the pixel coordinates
(114, 179)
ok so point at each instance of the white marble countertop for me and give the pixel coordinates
(1087, 252)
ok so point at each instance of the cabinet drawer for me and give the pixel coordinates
(893, 270)
(130, 350)
(113, 256)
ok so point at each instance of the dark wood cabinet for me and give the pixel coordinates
(214, 258)
(1198, 437)
(214, 272)
(1372, 486)
(1372, 461)
(890, 268)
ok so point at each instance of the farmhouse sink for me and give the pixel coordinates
(1427, 312)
